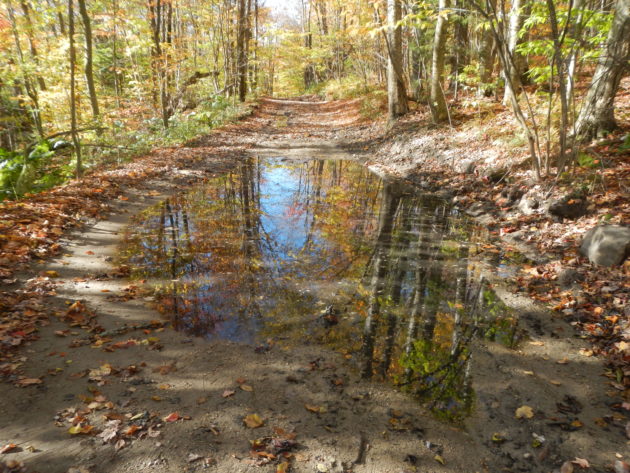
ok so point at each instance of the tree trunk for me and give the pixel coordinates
(241, 50)
(396, 91)
(438, 101)
(73, 108)
(598, 113)
(487, 53)
(89, 69)
(31, 90)
(576, 33)
(31, 42)
(514, 67)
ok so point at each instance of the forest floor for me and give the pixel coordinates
(94, 380)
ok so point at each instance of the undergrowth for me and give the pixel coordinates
(48, 163)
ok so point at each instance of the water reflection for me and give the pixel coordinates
(325, 252)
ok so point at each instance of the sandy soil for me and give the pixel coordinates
(164, 372)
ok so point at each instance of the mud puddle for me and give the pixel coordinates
(279, 253)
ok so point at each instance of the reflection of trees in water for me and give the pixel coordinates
(217, 253)
(424, 303)
(238, 255)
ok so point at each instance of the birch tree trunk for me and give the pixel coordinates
(598, 113)
(516, 22)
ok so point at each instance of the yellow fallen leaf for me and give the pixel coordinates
(253, 421)
(247, 387)
(524, 412)
(80, 429)
(315, 409)
(439, 459)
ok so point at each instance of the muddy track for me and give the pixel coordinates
(150, 373)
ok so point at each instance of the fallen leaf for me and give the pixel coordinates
(253, 421)
(132, 430)
(80, 429)
(29, 381)
(228, 393)
(439, 459)
(193, 457)
(524, 412)
(567, 467)
(283, 467)
(172, 417)
(8, 448)
(581, 462)
(621, 467)
(315, 409)
(246, 387)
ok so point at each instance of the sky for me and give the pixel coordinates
(287, 6)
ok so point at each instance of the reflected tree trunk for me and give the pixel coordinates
(399, 271)
(389, 206)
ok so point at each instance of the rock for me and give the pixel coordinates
(607, 245)
(495, 175)
(477, 209)
(567, 277)
(570, 207)
(467, 166)
(531, 203)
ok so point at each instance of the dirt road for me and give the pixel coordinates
(152, 399)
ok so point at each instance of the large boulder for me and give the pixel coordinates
(607, 245)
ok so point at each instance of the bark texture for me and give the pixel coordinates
(396, 90)
(438, 101)
(598, 113)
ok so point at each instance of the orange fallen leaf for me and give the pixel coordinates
(8, 448)
(132, 429)
(172, 417)
(29, 381)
